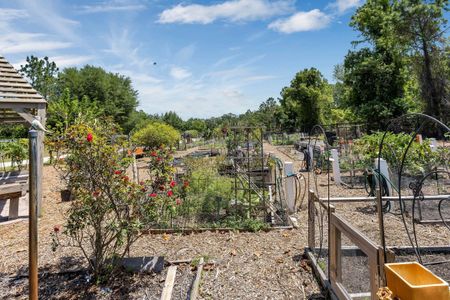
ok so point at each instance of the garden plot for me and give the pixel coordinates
(246, 265)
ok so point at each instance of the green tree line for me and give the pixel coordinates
(399, 64)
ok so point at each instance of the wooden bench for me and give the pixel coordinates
(13, 185)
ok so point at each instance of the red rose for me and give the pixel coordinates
(56, 229)
(141, 183)
(152, 195)
(186, 183)
(178, 201)
(125, 178)
(173, 183)
(169, 193)
(89, 137)
(117, 172)
(153, 153)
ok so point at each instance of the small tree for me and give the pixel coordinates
(110, 211)
(155, 135)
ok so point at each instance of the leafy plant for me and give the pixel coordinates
(110, 210)
(16, 151)
(155, 135)
(418, 158)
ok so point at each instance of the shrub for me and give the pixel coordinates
(155, 135)
(418, 160)
(109, 210)
(16, 151)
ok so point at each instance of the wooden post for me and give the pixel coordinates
(34, 156)
(40, 160)
(335, 254)
(13, 208)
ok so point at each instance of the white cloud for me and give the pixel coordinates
(30, 43)
(302, 21)
(344, 5)
(70, 60)
(179, 73)
(123, 46)
(45, 13)
(112, 6)
(233, 10)
(186, 53)
(10, 14)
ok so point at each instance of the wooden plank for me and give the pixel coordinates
(373, 275)
(168, 284)
(24, 89)
(12, 188)
(9, 75)
(19, 96)
(317, 270)
(196, 284)
(21, 103)
(186, 231)
(340, 291)
(14, 84)
(335, 254)
(432, 222)
(25, 115)
(12, 79)
(13, 208)
(359, 295)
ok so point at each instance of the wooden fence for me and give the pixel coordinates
(339, 227)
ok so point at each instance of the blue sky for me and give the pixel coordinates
(212, 57)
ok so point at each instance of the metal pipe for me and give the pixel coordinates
(34, 150)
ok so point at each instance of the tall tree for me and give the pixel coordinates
(112, 92)
(303, 100)
(376, 86)
(421, 26)
(173, 120)
(412, 32)
(42, 75)
(268, 114)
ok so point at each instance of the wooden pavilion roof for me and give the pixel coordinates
(18, 100)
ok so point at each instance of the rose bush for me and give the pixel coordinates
(110, 211)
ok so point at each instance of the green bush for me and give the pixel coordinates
(419, 158)
(155, 135)
(15, 151)
(110, 211)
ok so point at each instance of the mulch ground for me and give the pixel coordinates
(262, 265)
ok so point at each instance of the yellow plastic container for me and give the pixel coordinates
(412, 281)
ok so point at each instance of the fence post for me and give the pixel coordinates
(289, 186)
(334, 252)
(34, 157)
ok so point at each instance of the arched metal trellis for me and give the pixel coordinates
(416, 148)
(318, 153)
